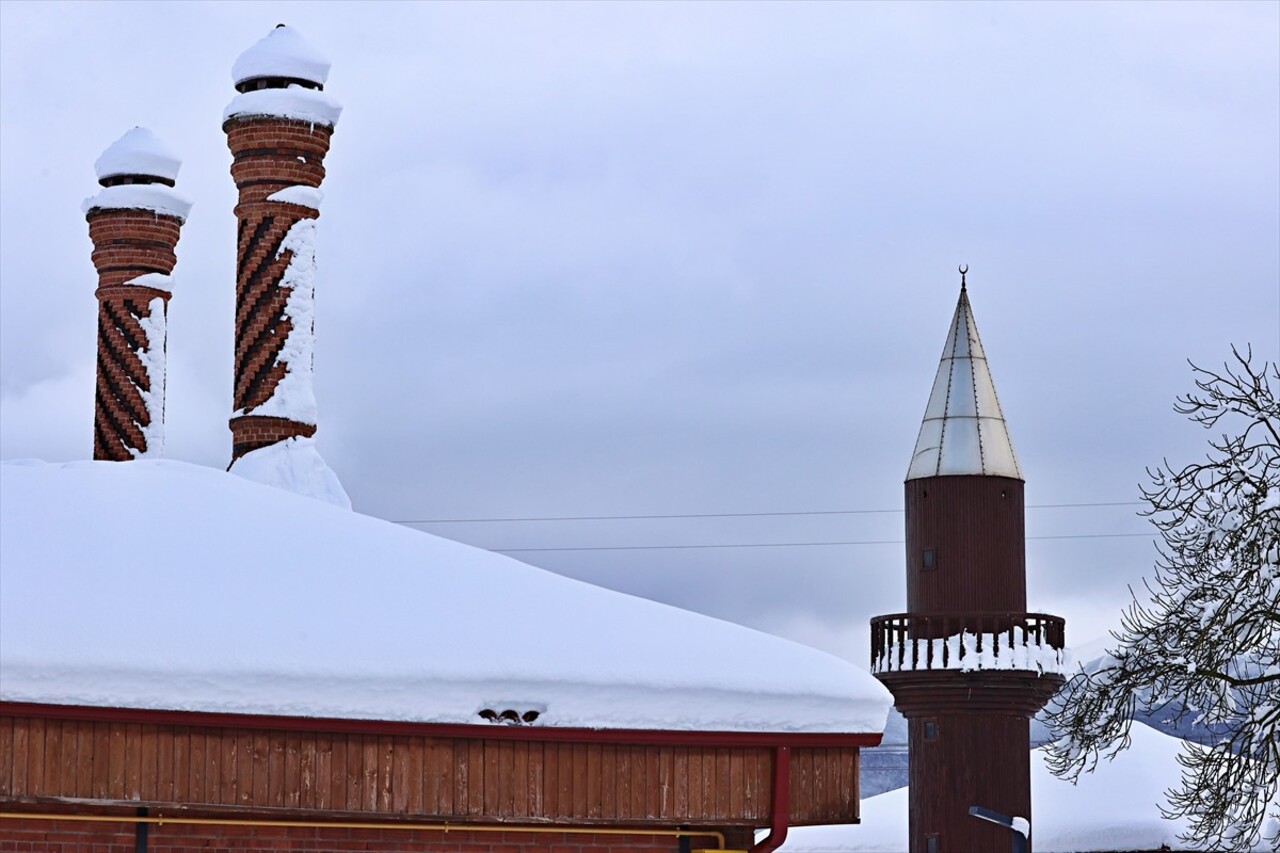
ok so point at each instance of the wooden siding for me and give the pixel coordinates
(974, 760)
(975, 528)
(444, 778)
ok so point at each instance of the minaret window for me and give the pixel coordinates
(927, 559)
(931, 844)
(930, 730)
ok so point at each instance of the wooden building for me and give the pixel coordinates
(968, 666)
(163, 780)
(192, 660)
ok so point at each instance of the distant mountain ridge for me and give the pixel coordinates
(884, 768)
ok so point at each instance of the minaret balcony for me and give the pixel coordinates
(968, 642)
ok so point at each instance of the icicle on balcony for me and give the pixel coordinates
(911, 642)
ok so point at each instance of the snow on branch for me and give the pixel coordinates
(1203, 641)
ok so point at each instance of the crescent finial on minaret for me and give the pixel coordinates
(964, 268)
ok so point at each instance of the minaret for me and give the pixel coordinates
(134, 223)
(278, 130)
(968, 667)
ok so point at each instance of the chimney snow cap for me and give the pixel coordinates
(139, 152)
(157, 198)
(282, 53)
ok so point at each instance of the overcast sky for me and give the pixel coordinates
(689, 258)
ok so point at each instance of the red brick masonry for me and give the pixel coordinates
(126, 244)
(269, 154)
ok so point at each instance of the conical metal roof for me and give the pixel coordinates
(964, 431)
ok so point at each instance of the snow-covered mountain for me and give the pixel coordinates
(884, 768)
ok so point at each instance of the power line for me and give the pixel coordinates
(784, 544)
(720, 514)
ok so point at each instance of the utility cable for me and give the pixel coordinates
(784, 544)
(721, 514)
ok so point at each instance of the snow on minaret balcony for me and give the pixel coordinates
(909, 642)
(964, 431)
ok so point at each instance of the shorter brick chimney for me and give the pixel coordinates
(134, 223)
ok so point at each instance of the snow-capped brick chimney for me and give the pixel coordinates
(278, 130)
(134, 222)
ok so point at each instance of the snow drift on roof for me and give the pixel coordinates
(1117, 807)
(964, 430)
(294, 465)
(283, 52)
(138, 152)
(159, 584)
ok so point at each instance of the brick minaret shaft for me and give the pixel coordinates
(127, 243)
(270, 154)
(968, 731)
(977, 749)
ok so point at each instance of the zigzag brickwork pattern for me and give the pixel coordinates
(126, 244)
(269, 154)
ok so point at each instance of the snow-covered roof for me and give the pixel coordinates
(1117, 807)
(164, 585)
(964, 431)
(283, 52)
(294, 465)
(138, 152)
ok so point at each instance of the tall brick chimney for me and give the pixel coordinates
(134, 223)
(278, 130)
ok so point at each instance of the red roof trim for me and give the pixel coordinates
(486, 731)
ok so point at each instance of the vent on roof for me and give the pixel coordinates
(510, 716)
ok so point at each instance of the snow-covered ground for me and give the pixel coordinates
(1117, 807)
(158, 584)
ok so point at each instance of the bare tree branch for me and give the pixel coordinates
(1204, 640)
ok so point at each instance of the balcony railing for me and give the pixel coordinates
(907, 642)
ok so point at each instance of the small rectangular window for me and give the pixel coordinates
(930, 730)
(926, 559)
(931, 844)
